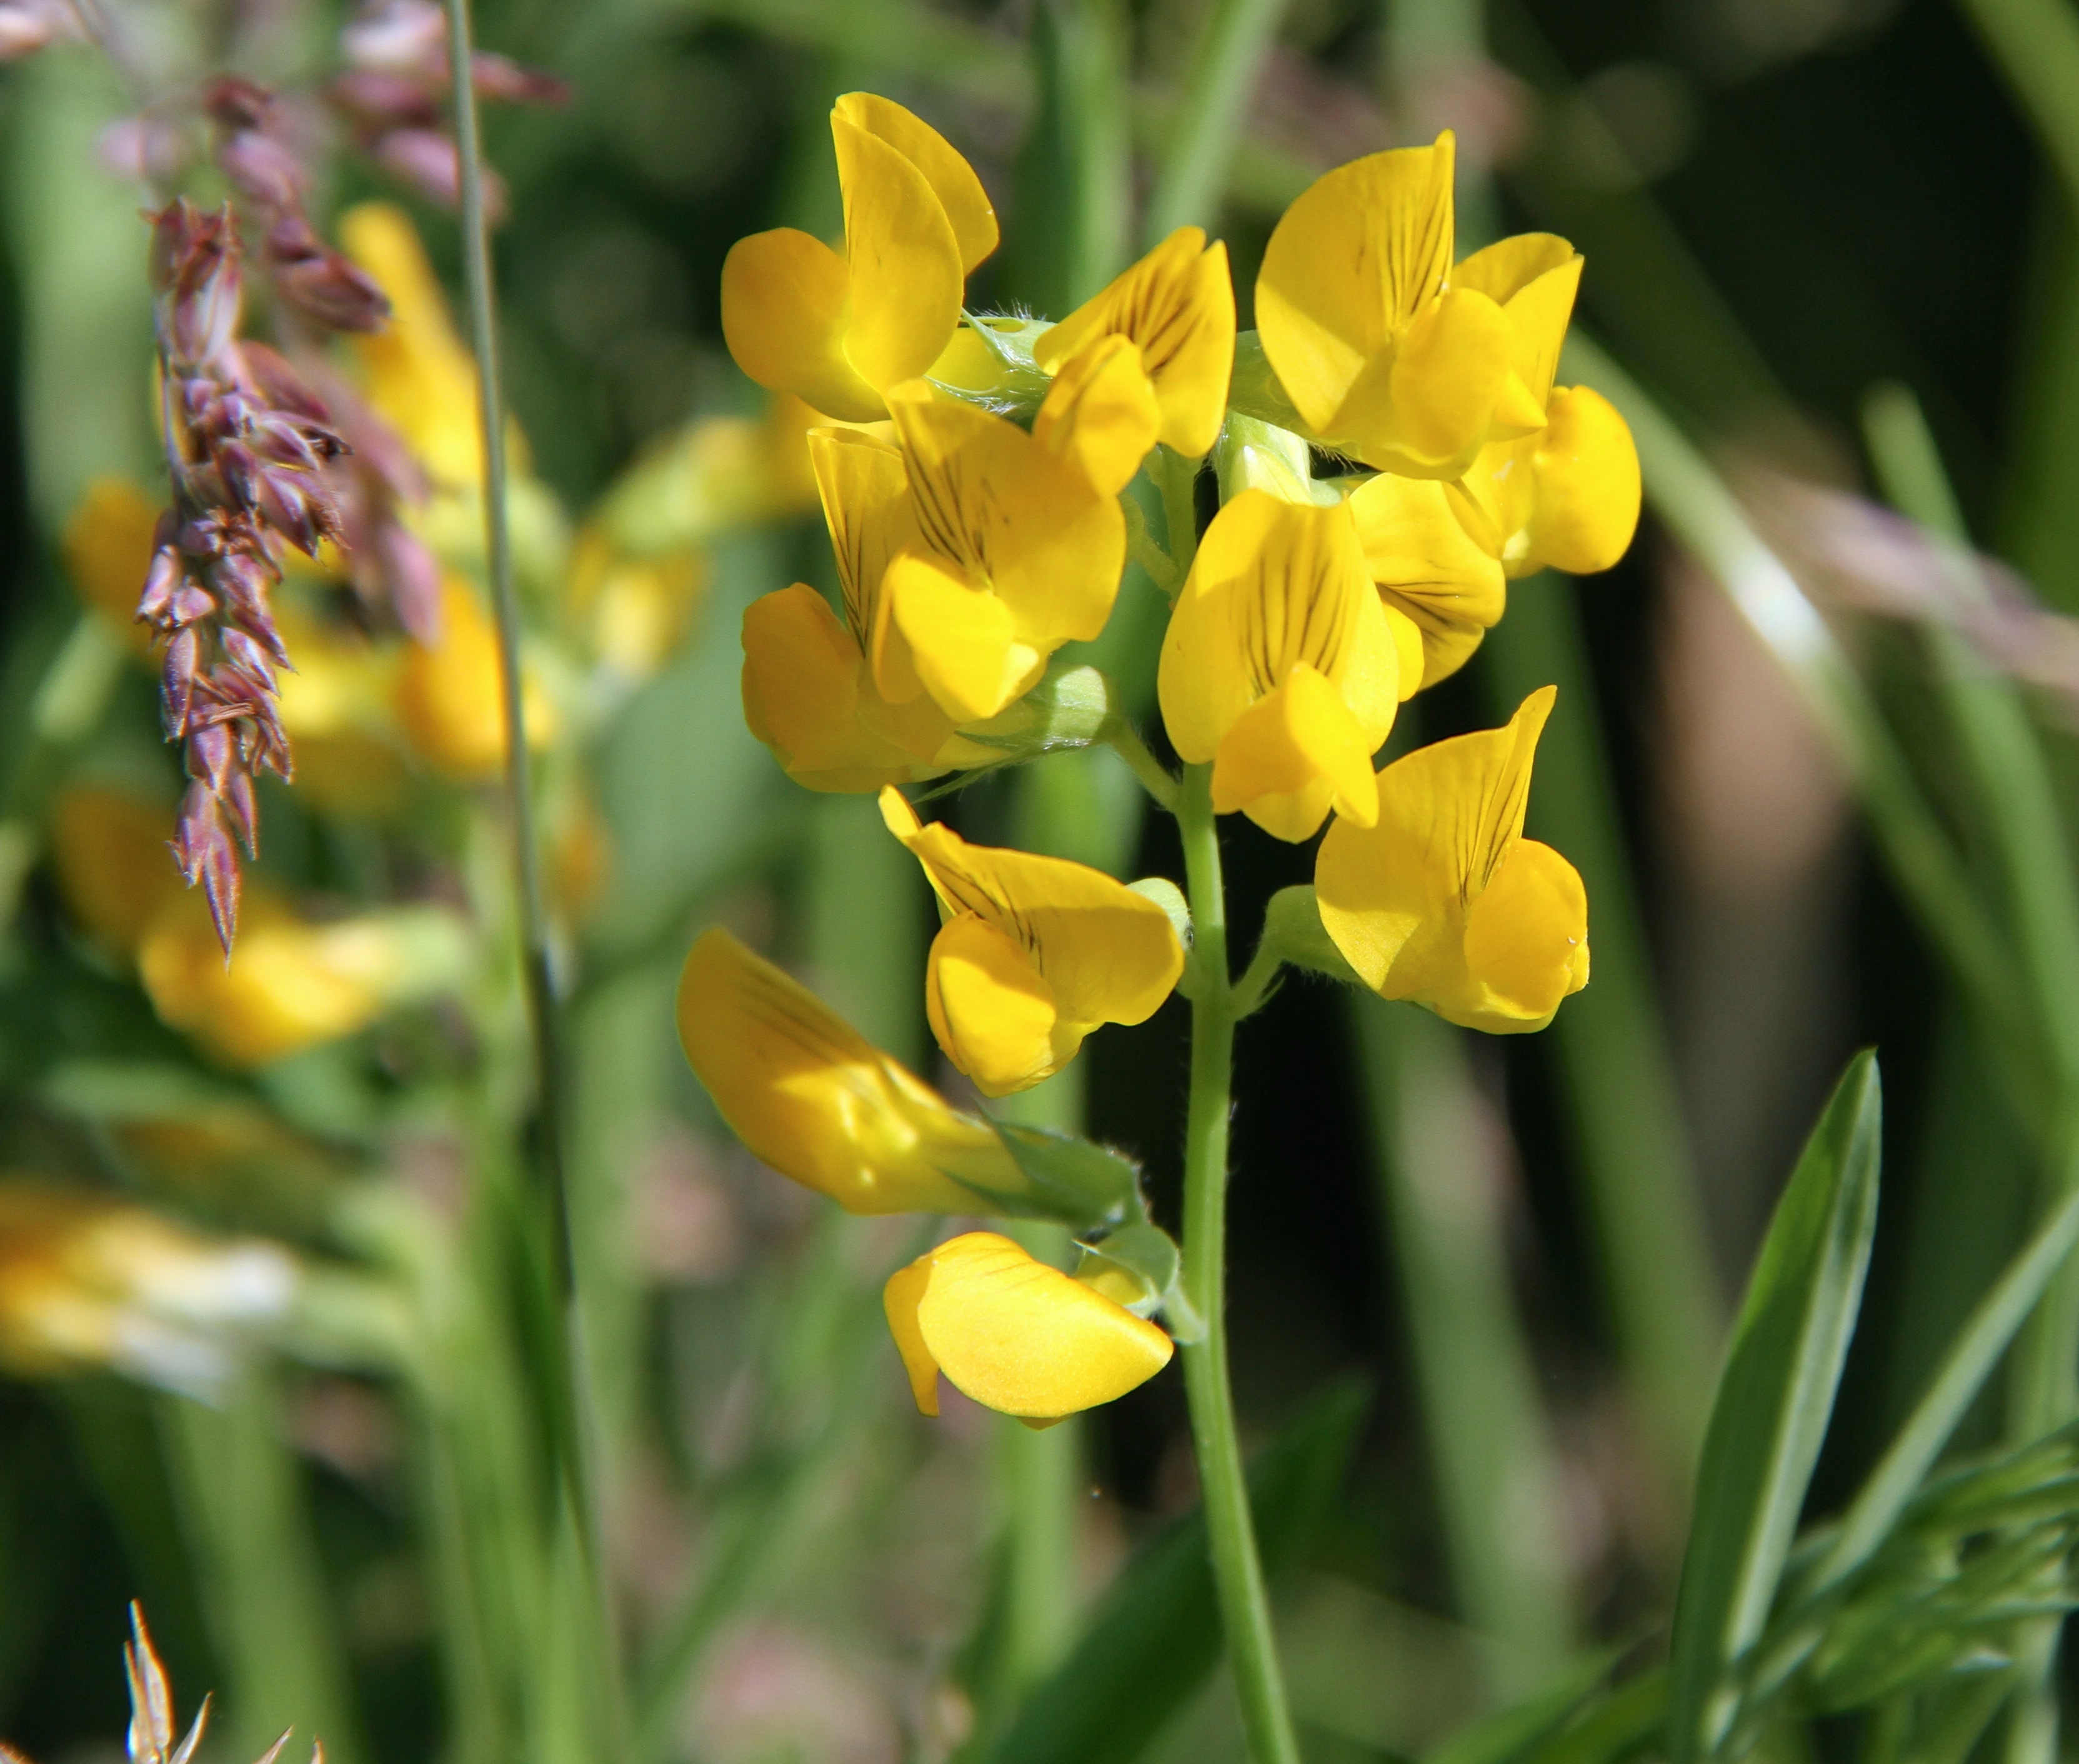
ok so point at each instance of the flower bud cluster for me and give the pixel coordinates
(246, 445)
(394, 88)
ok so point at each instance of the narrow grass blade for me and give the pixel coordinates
(1158, 1634)
(1516, 1733)
(1773, 1405)
(1964, 1371)
(1194, 168)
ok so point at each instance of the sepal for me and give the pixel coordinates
(1068, 707)
(1073, 1179)
(1139, 1267)
(1292, 925)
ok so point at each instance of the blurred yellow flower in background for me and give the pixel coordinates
(1443, 901)
(816, 1102)
(1035, 954)
(1177, 307)
(1283, 666)
(114, 871)
(1014, 1334)
(107, 545)
(90, 1281)
(839, 330)
(449, 700)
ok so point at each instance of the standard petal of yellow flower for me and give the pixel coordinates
(1533, 277)
(814, 1099)
(1423, 547)
(1012, 1334)
(1177, 307)
(992, 1010)
(1036, 952)
(1102, 413)
(1293, 755)
(449, 698)
(114, 870)
(839, 330)
(1277, 586)
(107, 548)
(1005, 518)
(1444, 902)
(417, 375)
(952, 180)
(807, 694)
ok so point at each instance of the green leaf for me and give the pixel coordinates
(1513, 1733)
(1773, 1404)
(1971, 1358)
(1158, 1633)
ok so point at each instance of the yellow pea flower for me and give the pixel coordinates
(1014, 552)
(1385, 349)
(841, 330)
(635, 607)
(1177, 307)
(449, 701)
(1565, 498)
(813, 1098)
(114, 870)
(290, 983)
(1101, 413)
(88, 1281)
(1282, 666)
(1015, 1334)
(338, 708)
(1443, 902)
(416, 371)
(1426, 546)
(107, 547)
(1035, 953)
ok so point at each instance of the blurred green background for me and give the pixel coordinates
(1521, 1252)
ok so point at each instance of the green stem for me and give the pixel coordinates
(1252, 990)
(1124, 740)
(1217, 91)
(2036, 44)
(1237, 1571)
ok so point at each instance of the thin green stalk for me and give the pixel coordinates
(1237, 1570)
(1497, 1472)
(1217, 91)
(2036, 44)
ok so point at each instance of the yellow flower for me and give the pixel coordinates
(1444, 902)
(1015, 1335)
(1101, 413)
(809, 688)
(1425, 545)
(290, 983)
(713, 476)
(108, 547)
(841, 330)
(1035, 953)
(337, 708)
(448, 696)
(1013, 553)
(417, 373)
(635, 608)
(1283, 666)
(1177, 307)
(813, 1098)
(1565, 498)
(1385, 350)
(114, 870)
(88, 1281)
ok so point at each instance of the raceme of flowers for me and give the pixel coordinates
(976, 473)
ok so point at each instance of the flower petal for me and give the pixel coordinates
(1429, 413)
(1101, 413)
(1291, 756)
(953, 179)
(906, 275)
(962, 644)
(899, 1299)
(1024, 1339)
(865, 494)
(1526, 942)
(1427, 565)
(1363, 249)
(991, 1009)
(1534, 277)
(813, 1098)
(1586, 470)
(783, 308)
(1177, 306)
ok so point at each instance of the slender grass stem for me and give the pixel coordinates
(1208, 123)
(1237, 1569)
(1124, 740)
(560, 1362)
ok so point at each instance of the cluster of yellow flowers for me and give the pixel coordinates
(972, 477)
